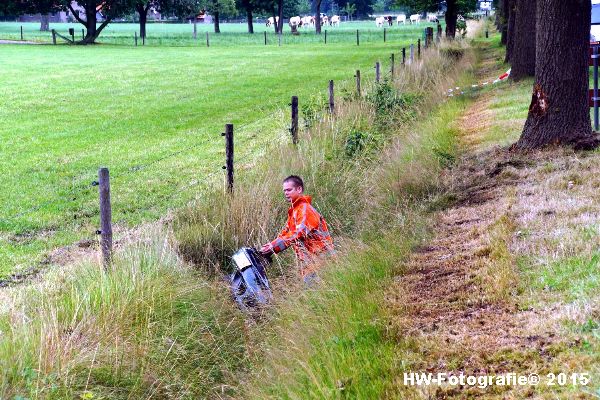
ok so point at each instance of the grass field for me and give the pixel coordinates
(232, 34)
(153, 116)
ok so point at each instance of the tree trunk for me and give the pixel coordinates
(510, 32)
(44, 22)
(318, 17)
(523, 47)
(451, 17)
(275, 24)
(216, 17)
(559, 111)
(143, 13)
(504, 21)
(498, 19)
(92, 32)
(249, 19)
(280, 15)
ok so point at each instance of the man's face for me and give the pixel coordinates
(291, 191)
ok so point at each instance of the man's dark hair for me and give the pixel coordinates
(296, 180)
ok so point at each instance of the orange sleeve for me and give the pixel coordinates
(305, 223)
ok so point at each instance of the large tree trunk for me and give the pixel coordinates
(275, 24)
(280, 15)
(143, 13)
(559, 111)
(523, 44)
(216, 19)
(498, 19)
(249, 19)
(451, 17)
(92, 31)
(44, 22)
(504, 21)
(318, 17)
(510, 33)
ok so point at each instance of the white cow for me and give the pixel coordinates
(379, 21)
(324, 20)
(432, 17)
(295, 22)
(415, 18)
(271, 21)
(401, 18)
(335, 20)
(308, 21)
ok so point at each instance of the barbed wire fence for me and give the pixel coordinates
(82, 200)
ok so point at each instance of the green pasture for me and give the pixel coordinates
(154, 117)
(232, 34)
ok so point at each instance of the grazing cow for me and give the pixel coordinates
(389, 20)
(415, 18)
(401, 18)
(308, 21)
(432, 17)
(295, 22)
(379, 21)
(271, 21)
(324, 20)
(335, 20)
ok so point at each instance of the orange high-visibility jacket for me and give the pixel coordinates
(305, 230)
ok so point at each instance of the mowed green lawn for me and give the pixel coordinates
(153, 115)
(232, 34)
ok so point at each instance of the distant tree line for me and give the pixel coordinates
(250, 9)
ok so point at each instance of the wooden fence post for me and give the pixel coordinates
(412, 53)
(487, 34)
(377, 72)
(419, 48)
(325, 36)
(265, 32)
(82, 33)
(229, 155)
(357, 38)
(135, 37)
(207, 40)
(294, 127)
(392, 65)
(357, 82)
(384, 31)
(105, 216)
(21, 32)
(53, 36)
(403, 55)
(331, 100)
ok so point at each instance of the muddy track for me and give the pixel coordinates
(448, 300)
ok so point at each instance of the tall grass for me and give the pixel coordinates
(336, 341)
(148, 328)
(151, 327)
(339, 158)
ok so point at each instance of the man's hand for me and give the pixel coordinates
(266, 248)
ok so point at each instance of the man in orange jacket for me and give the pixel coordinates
(306, 230)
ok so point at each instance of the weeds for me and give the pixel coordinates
(152, 328)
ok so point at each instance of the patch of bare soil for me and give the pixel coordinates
(458, 296)
(443, 299)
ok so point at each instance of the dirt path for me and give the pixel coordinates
(458, 298)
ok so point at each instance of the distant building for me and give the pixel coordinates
(62, 16)
(485, 5)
